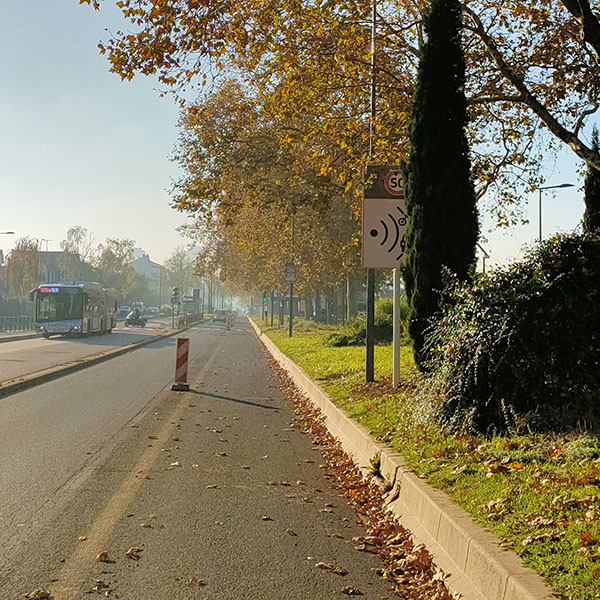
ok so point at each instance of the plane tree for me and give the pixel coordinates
(532, 76)
(243, 184)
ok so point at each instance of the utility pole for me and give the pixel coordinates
(369, 337)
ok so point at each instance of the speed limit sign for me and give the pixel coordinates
(392, 183)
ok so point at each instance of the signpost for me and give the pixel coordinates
(291, 276)
(384, 225)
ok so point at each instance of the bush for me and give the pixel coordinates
(352, 333)
(522, 346)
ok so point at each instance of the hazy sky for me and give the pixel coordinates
(80, 147)
(77, 145)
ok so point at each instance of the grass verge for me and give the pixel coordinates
(539, 494)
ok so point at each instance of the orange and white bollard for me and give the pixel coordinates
(181, 364)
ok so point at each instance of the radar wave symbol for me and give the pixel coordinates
(391, 234)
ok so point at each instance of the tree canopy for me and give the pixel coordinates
(532, 74)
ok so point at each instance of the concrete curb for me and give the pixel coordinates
(18, 337)
(18, 384)
(477, 568)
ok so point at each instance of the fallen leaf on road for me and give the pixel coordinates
(82, 538)
(245, 467)
(175, 439)
(176, 464)
(266, 518)
(102, 557)
(191, 581)
(133, 552)
(332, 568)
(350, 590)
(152, 437)
(326, 510)
(99, 585)
(38, 595)
(212, 486)
(337, 535)
(291, 532)
(221, 453)
(146, 525)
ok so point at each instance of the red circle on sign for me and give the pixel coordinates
(393, 183)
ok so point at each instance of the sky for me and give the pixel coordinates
(80, 147)
(77, 145)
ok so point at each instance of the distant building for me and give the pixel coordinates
(52, 267)
(138, 253)
(151, 270)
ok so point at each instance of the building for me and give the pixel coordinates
(152, 271)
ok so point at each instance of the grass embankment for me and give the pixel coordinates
(539, 494)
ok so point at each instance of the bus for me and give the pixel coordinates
(77, 308)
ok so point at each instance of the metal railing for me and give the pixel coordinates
(20, 323)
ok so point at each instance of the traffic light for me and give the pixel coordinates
(175, 296)
(264, 296)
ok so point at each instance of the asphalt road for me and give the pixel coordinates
(219, 489)
(21, 357)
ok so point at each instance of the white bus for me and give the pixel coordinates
(77, 308)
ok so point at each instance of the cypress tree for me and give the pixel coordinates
(591, 188)
(443, 226)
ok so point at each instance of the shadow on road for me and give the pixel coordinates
(238, 400)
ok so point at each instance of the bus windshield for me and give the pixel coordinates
(59, 306)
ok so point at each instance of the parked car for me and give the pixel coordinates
(219, 315)
(123, 311)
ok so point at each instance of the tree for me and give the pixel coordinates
(23, 268)
(136, 287)
(242, 181)
(112, 261)
(443, 224)
(591, 216)
(180, 270)
(532, 76)
(79, 242)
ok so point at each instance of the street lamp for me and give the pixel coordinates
(549, 187)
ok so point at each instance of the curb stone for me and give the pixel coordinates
(476, 567)
(18, 384)
(19, 336)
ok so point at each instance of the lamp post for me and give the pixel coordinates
(549, 187)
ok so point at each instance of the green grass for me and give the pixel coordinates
(539, 494)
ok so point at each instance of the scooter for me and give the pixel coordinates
(133, 321)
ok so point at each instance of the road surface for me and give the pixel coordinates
(22, 357)
(217, 490)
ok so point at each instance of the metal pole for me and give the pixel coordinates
(272, 306)
(291, 322)
(369, 337)
(540, 216)
(396, 330)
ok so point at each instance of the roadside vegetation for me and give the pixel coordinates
(531, 478)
